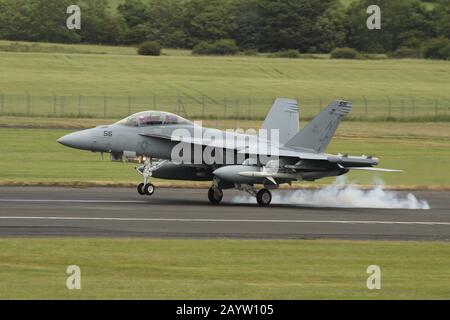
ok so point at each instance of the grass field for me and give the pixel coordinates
(44, 47)
(222, 269)
(93, 74)
(113, 81)
(422, 150)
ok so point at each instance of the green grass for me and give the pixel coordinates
(422, 150)
(156, 82)
(222, 269)
(44, 73)
(60, 48)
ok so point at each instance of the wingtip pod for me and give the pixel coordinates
(373, 169)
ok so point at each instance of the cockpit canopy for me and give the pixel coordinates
(152, 118)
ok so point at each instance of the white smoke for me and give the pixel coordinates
(343, 195)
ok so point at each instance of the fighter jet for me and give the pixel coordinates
(171, 147)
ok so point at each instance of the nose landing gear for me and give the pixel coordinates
(147, 188)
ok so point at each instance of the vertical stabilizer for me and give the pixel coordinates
(283, 116)
(319, 132)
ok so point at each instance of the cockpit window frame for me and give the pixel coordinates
(148, 118)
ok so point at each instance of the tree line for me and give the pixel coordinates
(309, 26)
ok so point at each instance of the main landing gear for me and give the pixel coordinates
(263, 196)
(215, 195)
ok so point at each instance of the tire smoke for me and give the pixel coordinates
(343, 195)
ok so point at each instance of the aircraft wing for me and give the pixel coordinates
(345, 161)
(274, 151)
(192, 140)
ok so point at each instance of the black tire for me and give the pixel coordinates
(264, 197)
(140, 189)
(215, 195)
(149, 189)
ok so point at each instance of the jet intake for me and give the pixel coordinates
(127, 156)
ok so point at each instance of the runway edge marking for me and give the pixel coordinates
(431, 223)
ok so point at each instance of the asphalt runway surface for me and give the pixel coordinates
(186, 213)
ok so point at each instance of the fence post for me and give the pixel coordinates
(104, 106)
(238, 104)
(366, 113)
(63, 105)
(28, 104)
(403, 108)
(203, 107)
(54, 104)
(225, 106)
(435, 108)
(129, 104)
(389, 107)
(79, 104)
(249, 107)
(413, 106)
(154, 102)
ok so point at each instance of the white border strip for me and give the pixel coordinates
(427, 223)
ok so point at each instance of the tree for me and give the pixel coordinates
(275, 25)
(403, 23)
(156, 20)
(248, 24)
(133, 12)
(37, 20)
(149, 48)
(330, 28)
(437, 48)
(223, 47)
(165, 21)
(98, 25)
(441, 19)
(209, 20)
(345, 53)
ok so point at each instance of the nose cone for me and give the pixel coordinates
(78, 140)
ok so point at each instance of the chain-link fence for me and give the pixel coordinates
(206, 107)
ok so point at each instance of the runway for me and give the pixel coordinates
(186, 213)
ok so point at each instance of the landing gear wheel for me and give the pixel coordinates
(149, 189)
(264, 197)
(140, 189)
(215, 195)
